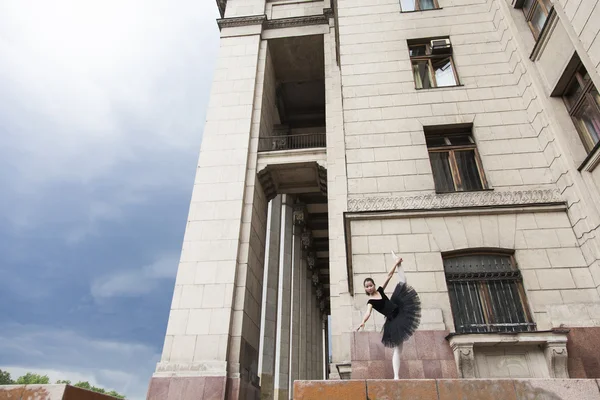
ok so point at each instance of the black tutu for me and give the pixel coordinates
(403, 321)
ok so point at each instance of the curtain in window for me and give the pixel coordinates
(426, 4)
(444, 73)
(422, 74)
(442, 174)
(467, 168)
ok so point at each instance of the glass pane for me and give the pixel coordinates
(407, 5)
(548, 4)
(426, 4)
(538, 19)
(572, 93)
(417, 50)
(467, 168)
(587, 120)
(435, 141)
(460, 140)
(442, 175)
(527, 4)
(594, 94)
(422, 74)
(444, 73)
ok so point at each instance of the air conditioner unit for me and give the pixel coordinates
(441, 46)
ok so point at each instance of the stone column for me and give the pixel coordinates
(284, 302)
(295, 322)
(303, 350)
(308, 323)
(269, 305)
(213, 328)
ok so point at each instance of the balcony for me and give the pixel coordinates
(291, 142)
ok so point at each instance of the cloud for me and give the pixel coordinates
(135, 282)
(62, 354)
(100, 94)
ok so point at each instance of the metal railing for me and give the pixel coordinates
(291, 142)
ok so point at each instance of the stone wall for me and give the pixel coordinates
(50, 392)
(441, 389)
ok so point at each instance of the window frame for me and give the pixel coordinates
(454, 169)
(530, 13)
(481, 281)
(428, 57)
(586, 89)
(418, 6)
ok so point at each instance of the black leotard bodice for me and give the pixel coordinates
(384, 305)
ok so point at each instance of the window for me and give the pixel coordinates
(455, 162)
(418, 5)
(536, 13)
(583, 102)
(486, 293)
(432, 63)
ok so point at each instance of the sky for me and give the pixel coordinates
(102, 107)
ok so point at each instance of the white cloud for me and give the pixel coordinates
(109, 90)
(62, 354)
(136, 281)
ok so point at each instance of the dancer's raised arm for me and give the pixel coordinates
(391, 273)
(366, 317)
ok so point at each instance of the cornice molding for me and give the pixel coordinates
(274, 23)
(241, 21)
(322, 19)
(456, 200)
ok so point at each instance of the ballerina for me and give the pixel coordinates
(402, 311)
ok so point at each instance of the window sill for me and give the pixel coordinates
(592, 160)
(553, 344)
(414, 11)
(441, 87)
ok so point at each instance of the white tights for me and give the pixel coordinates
(398, 349)
(396, 361)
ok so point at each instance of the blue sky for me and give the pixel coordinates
(102, 106)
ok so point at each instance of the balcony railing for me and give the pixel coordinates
(291, 142)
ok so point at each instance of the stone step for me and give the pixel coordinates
(449, 389)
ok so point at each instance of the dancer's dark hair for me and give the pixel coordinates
(368, 280)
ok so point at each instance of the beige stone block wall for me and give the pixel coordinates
(295, 8)
(556, 277)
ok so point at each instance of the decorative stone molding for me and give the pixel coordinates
(464, 355)
(557, 357)
(300, 215)
(553, 343)
(329, 12)
(307, 239)
(222, 4)
(268, 184)
(241, 21)
(311, 260)
(296, 21)
(455, 200)
(322, 179)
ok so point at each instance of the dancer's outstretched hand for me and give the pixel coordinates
(360, 326)
(399, 261)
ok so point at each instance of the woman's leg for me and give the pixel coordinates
(401, 275)
(396, 360)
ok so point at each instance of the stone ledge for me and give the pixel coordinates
(449, 389)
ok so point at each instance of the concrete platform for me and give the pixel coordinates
(449, 389)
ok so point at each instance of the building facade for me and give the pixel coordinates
(462, 134)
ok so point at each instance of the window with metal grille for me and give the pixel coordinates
(455, 161)
(486, 293)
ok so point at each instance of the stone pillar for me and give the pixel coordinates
(308, 324)
(284, 302)
(295, 327)
(303, 351)
(213, 328)
(269, 305)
